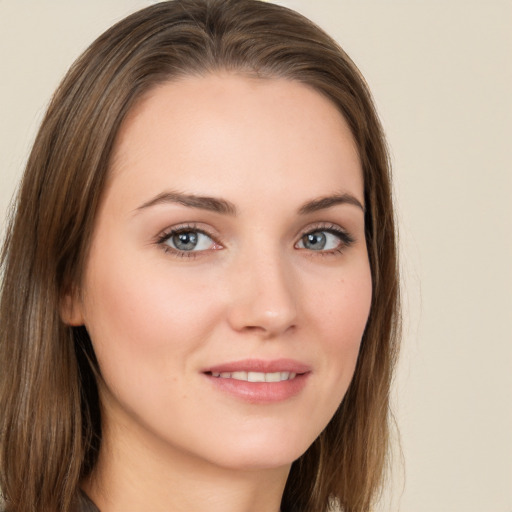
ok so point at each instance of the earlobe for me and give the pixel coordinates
(71, 310)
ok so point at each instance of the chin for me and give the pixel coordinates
(262, 451)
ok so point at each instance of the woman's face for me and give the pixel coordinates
(228, 285)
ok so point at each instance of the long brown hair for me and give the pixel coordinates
(50, 425)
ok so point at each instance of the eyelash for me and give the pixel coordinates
(176, 230)
(346, 240)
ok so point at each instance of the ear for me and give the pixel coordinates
(71, 309)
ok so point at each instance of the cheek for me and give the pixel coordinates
(337, 317)
(141, 318)
(342, 313)
(343, 310)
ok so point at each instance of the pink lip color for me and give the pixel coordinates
(259, 365)
(260, 392)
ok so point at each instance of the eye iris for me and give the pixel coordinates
(315, 241)
(185, 241)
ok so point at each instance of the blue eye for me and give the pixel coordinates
(324, 240)
(188, 241)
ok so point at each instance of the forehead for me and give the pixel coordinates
(212, 133)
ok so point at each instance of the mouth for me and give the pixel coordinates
(255, 376)
(260, 382)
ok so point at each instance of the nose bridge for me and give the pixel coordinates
(262, 295)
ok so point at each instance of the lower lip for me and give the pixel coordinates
(260, 392)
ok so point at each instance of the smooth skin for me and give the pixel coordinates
(262, 270)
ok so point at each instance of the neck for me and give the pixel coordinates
(135, 472)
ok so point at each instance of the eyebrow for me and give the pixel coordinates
(224, 207)
(330, 201)
(211, 204)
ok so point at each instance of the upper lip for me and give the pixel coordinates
(260, 365)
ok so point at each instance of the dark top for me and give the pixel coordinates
(85, 504)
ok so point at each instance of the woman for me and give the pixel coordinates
(200, 293)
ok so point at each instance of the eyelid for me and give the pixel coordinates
(170, 231)
(346, 238)
(200, 227)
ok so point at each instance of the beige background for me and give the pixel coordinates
(441, 73)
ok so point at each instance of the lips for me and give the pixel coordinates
(261, 366)
(259, 381)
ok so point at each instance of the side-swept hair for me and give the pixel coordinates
(50, 425)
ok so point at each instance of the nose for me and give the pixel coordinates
(262, 298)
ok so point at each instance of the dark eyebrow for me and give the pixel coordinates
(227, 208)
(192, 201)
(329, 201)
